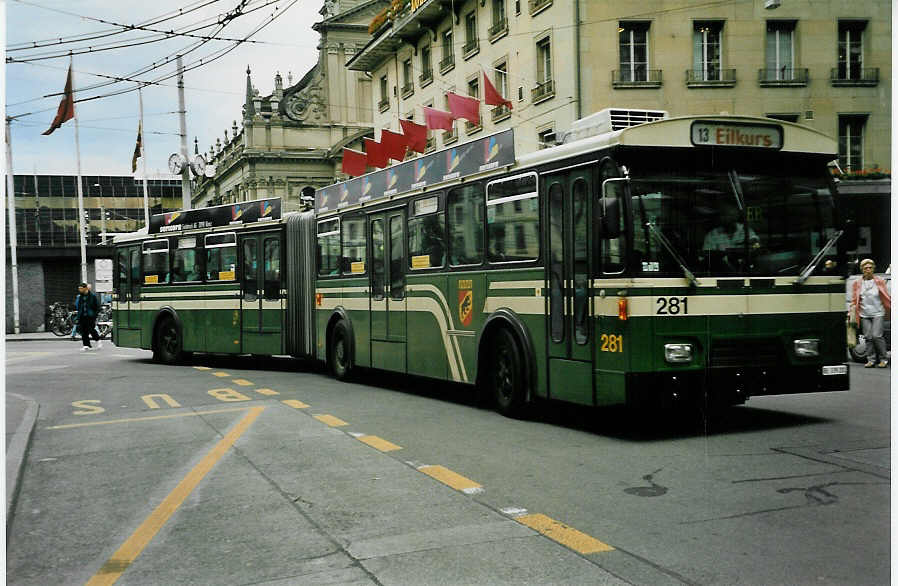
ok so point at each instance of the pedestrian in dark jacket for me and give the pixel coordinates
(87, 307)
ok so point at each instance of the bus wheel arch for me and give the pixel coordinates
(504, 333)
(340, 345)
(168, 337)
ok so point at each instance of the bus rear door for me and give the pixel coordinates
(388, 308)
(261, 297)
(570, 337)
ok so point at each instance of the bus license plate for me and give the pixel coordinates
(831, 370)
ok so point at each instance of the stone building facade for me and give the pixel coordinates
(290, 142)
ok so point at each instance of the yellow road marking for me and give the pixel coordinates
(149, 418)
(295, 404)
(266, 391)
(330, 420)
(242, 382)
(450, 478)
(116, 565)
(379, 443)
(219, 373)
(202, 368)
(566, 536)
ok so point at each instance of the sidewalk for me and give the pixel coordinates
(35, 337)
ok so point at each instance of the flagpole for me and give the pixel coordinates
(143, 164)
(82, 225)
(11, 201)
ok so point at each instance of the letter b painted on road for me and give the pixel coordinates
(228, 395)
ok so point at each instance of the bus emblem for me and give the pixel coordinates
(236, 212)
(465, 306)
(169, 218)
(264, 208)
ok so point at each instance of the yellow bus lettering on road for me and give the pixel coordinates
(87, 409)
(151, 403)
(228, 395)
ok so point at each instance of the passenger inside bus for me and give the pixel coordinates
(731, 233)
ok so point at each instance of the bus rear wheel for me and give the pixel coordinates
(168, 343)
(340, 354)
(506, 375)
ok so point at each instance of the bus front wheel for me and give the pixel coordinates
(340, 352)
(168, 344)
(506, 375)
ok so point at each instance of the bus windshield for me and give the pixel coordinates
(730, 222)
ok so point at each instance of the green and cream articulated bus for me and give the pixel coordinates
(645, 261)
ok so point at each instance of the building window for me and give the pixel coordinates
(500, 80)
(545, 87)
(474, 92)
(546, 137)
(706, 51)
(426, 66)
(408, 80)
(780, 62)
(851, 49)
(500, 22)
(634, 56)
(448, 61)
(472, 43)
(851, 141)
(784, 117)
(384, 102)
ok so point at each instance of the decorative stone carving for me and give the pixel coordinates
(307, 105)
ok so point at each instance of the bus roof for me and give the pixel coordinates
(724, 131)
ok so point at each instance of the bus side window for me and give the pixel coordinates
(221, 257)
(272, 268)
(156, 262)
(610, 208)
(465, 207)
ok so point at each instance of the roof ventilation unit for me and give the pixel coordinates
(609, 120)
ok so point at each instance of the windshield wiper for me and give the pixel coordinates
(670, 248)
(816, 260)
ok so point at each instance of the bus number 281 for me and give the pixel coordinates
(671, 306)
(612, 343)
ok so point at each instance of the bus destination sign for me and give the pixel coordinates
(234, 214)
(728, 134)
(489, 152)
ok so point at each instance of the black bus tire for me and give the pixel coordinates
(340, 352)
(505, 378)
(168, 342)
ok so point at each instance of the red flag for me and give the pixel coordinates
(415, 135)
(66, 110)
(377, 155)
(437, 119)
(394, 144)
(137, 147)
(492, 97)
(464, 107)
(354, 162)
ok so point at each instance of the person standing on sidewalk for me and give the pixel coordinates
(872, 304)
(87, 306)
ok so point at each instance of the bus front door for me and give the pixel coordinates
(389, 260)
(261, 297)
(570, 337)
(125, 320)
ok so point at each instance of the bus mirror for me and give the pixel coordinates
(609, 207)
(850, 237)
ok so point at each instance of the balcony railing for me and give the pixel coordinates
(783, 77)
(543, 91)
(848, 75)
(384, 104)
(539, 5)
(711, 77)
(447, 63)
(450, 136)
(408, 89)
(426, 77)
(430, 144)
(498, 30)
(639, 78)
(501, 113)
(471, 128)
(471, 48)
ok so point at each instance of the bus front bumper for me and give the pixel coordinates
(731, 385)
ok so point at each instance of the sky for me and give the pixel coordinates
(214, 92)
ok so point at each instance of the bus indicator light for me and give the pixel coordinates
(319, 298)
(622, 313)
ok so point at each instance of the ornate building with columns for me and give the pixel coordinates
(290, 142)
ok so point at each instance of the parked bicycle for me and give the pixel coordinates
(63, 320)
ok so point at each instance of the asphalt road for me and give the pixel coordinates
(239, 471)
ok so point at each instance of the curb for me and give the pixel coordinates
(15, 456)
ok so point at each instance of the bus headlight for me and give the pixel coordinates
(678, 353)
(807, 347)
